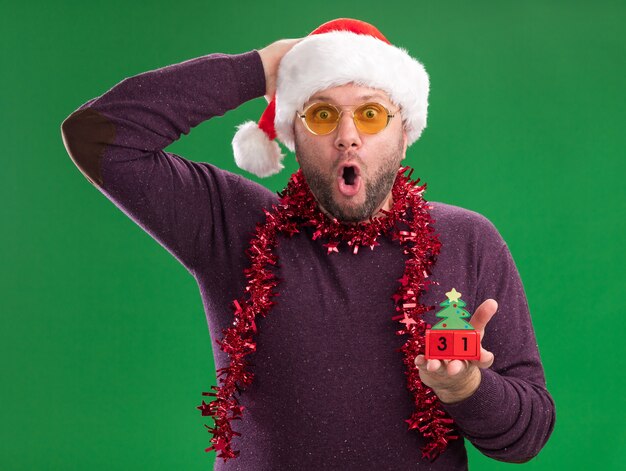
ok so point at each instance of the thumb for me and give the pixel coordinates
(483, 314)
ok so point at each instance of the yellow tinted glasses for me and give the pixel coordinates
(323, 118)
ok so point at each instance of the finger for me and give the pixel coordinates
(420, 360)
(456, 366)
(483, 314)
(434, 366)
(486, 358)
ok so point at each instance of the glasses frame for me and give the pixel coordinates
(302, 116)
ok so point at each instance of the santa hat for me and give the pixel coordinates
(340, 51)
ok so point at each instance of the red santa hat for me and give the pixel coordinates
(338, 52)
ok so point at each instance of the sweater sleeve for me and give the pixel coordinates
(117, 140)
(511, 415)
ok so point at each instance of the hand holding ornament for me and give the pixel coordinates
(456, 380)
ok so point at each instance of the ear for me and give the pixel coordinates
(295, 140)
(405, 140)
(296, 132)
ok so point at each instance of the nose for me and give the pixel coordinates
(347, 134)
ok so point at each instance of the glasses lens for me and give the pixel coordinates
(321, 118)
(371, 118)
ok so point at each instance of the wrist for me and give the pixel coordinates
(462, 389)
(267, 61)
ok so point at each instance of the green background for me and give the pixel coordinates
(104, 344)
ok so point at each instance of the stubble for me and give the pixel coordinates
(377, 186)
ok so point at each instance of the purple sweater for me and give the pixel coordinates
(330, 389)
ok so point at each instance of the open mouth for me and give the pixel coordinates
(349, 180)
(349, 175)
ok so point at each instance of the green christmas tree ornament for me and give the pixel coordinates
(452, 338)
(453, 313)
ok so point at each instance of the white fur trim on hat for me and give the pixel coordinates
(337, 58)
(255, 152)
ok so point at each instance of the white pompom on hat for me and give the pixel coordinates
(339, 52)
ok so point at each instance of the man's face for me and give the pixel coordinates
(351, 173)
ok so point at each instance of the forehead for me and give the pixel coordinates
(349, 94)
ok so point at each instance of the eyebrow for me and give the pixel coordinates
(359, 98)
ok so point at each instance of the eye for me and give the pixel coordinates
(370, 112)
(322, 115)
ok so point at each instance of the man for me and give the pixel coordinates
(308, 295)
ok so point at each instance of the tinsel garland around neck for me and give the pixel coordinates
(409, 222)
